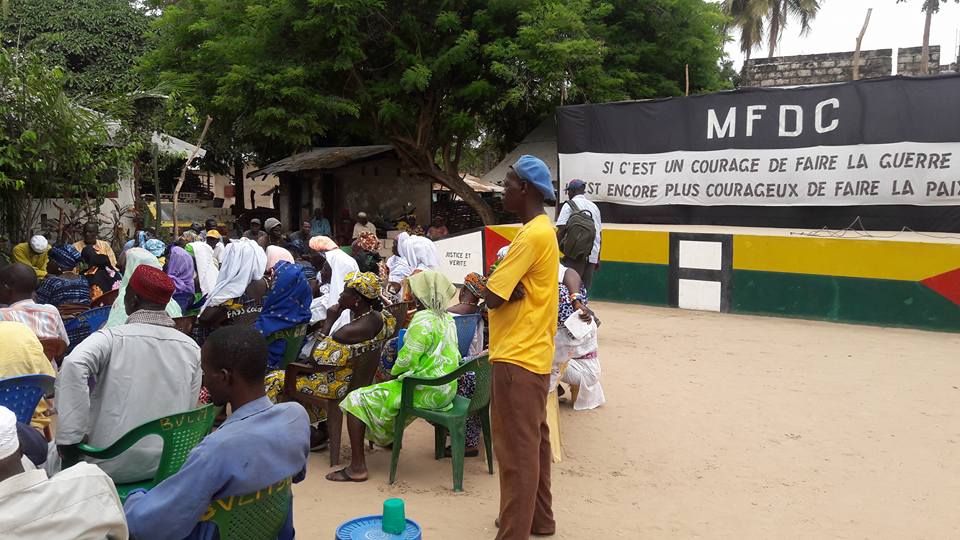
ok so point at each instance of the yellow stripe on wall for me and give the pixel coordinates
(878, 259)
(650, 247)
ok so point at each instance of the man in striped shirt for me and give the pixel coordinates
(17, 283)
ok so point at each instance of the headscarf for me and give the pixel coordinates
(365, 283)
(189, 237)
(180, 270)
(475, 283)
(433, 290)
(288, 302)
(99, 272)
(39, 243)
(66, 256)
(367, 241)
(419, 252)
(322, 243)
(136, 257)
(341, 264)
(276, 254)
(156, 247)
(243, 261)
(205, 264)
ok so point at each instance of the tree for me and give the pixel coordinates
(50, 147)
(428, 77)
(751, 16)
(929, 7)
(95, 42)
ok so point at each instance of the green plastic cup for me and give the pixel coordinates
(394, 519)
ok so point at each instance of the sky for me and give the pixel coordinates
(892, 26)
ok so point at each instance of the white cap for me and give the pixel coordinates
(39, 244)
(9, 443)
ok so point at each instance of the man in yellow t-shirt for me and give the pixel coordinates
(523, 321)
(91, 237)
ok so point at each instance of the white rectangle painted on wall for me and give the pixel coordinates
(699, 295)
(460, 255)
(701, 255)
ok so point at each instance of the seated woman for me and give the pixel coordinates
(64, 287)
(180, 269)
(470, 296)
(286, 305)
(237, 298)
(333, 353)
(429, 350)
(101, 276)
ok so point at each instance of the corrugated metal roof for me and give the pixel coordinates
(322, 158)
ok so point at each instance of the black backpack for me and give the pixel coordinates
(579, 234)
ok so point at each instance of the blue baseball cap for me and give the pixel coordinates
(576, 184)
(535, 171)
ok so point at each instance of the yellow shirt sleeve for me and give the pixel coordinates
(512, 268)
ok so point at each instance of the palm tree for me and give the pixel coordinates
(750, 17)
(929, 8)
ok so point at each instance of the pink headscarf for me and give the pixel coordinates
(322, 243)
(276, 254)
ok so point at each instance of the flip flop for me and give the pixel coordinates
(343, 476)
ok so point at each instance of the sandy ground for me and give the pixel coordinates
(716, 426)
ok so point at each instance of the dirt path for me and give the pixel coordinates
(717, 426)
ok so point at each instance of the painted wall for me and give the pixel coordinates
(885, 282)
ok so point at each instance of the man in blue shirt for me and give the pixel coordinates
(259, 445)
(319, 225)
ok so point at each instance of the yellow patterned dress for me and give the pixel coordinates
(328, 352)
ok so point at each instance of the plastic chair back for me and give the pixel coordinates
(105, 299)
(482, 374)
(180, 432)
(255, 516)
(22, 394)
(81, 326)
(466, 328)
(294, 337)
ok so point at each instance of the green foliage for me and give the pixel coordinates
(431, 77)
(95, 42)
(49, 146)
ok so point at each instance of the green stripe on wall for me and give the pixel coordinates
(856, 300)
(638, 283)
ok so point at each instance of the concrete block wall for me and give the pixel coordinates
(816, 68)
(908, 60)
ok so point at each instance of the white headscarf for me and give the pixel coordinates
(243, 261)
(134, 258)
(419, 252)
(206, 266)
(341, 264)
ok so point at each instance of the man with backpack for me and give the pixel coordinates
(578, 232)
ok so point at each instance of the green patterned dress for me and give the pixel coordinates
(429, 351)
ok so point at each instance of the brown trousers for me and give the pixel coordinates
(518, 413)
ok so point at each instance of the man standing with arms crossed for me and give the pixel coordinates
(522, 297)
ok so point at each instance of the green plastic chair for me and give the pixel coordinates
(255, 516)
(294, 337)
(453, 420)
(180, 432)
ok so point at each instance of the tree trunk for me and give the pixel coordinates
(183, 176)
(421, 161)
(238, 194)
(775, 23)
(925, 58)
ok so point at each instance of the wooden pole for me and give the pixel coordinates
(686, 70)
(856, 52)
(183, 176)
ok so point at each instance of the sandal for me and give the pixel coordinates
(343, 476)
